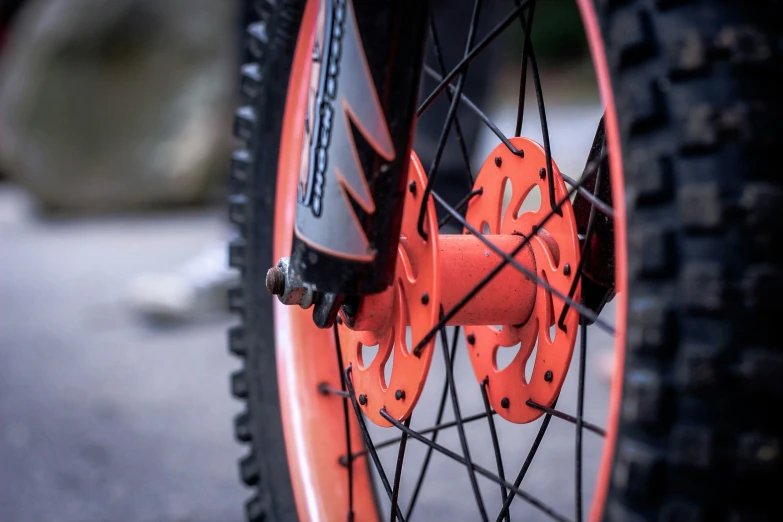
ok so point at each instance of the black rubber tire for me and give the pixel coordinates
(271, 40)
(700, 435)
(697, 88)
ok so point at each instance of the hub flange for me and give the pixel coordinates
(394, 377)
(505, 206)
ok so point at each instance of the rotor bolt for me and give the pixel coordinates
(399, 395)
(542, 173)
(362, 399)
(548, 376)
(504, 402)
(567, 269)
(425, 298)
(412, 187)
(498, 161)
(471, 339)
(275, 281)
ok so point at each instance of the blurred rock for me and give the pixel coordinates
(117, 105)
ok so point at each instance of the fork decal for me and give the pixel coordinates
(332, 178)
(360, 110)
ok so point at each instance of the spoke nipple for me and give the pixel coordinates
(471, 339)
(343, 461)
(542, 173)
(548, 376)
(275, 281)
(362, 399)
(498, 161)
(504, 402)
(425, 298)
(412, 187)
(399, 395)
(567, 269)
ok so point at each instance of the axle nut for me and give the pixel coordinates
(275, 281)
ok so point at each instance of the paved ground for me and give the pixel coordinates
(105, 418)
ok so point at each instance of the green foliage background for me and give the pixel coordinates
(558, 35)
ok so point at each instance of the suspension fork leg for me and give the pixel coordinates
(365, 80)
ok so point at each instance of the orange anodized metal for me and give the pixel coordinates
(507, 299)
(412, 300)
(555, 248)
(598, 53)
(464, 261)
(511, 310)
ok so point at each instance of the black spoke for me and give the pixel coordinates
(566, 417)
(368, 443)
(589, 172)
(597, 203)
(478, 112)
(541, 114)
(460, 427)
(579, 421)
(526, 465)
(436, 429)
(347, 419)
(457, 127)
(433, 429)
(523, 70)
(495, 444)
(453, 107)
(475, 51)
(462, 204)
(398, 472)
(603, 207)
(478, 469)
(327, 389)
(584, 311)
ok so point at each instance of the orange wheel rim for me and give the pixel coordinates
(598, 53)
(319, 481)
(306, 354)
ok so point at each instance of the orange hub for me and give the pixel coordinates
(555, 248)
(511, 310)
(464, 261)
(308, 414)
(413, 300)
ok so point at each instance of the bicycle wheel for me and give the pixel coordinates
(691, 121)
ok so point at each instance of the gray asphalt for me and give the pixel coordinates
(106, 418)
(103, 417)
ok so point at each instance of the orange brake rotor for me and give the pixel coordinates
(556, 252)
(414, 300)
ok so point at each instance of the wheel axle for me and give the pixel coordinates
(464, 261)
